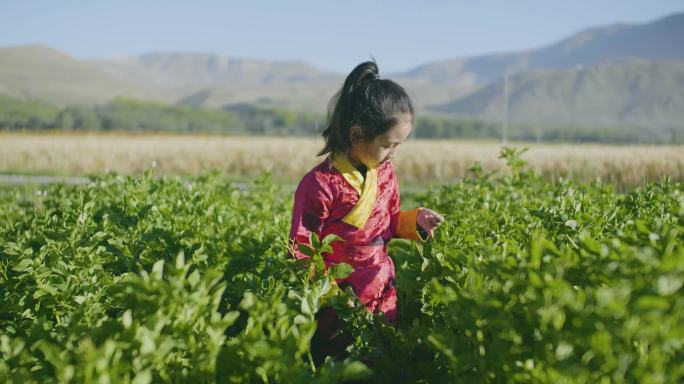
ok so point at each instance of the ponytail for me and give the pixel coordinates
(365, 100)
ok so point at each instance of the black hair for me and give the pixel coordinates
(365, 100)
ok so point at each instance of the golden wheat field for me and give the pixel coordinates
(417, 162)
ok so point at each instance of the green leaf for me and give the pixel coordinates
(330, 238)
(24, 265)
(143, 377)
(230, 317)
(180, 260)
(127, 319)
(319, 264)
(340, 270)
(653, 302)
(356, 370)
(306, 249)
(314, 241)
(158, 270)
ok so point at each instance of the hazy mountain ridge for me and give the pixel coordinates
(463, 86)
(197, 70)
(43, 73)
(660, 39)
(211, 80)
(638, 92)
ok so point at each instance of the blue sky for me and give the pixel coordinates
(332, 35)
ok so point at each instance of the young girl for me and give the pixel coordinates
(354, 192)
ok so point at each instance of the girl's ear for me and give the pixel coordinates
(355, 135)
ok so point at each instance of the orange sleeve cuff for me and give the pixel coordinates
(407, 225)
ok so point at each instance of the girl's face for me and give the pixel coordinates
(383, 147)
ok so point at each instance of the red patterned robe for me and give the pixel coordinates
(323, 198)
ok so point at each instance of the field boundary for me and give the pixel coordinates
(40, 179)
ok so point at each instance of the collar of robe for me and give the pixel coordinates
(366, 188)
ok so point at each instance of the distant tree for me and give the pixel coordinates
(26, 114)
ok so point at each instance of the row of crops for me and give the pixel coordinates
(144, 279)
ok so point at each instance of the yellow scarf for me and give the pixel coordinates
(367, 189)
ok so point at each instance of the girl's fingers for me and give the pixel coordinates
(432, 219)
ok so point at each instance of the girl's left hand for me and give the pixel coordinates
(429, 220)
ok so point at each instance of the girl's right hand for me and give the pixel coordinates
(429, 220)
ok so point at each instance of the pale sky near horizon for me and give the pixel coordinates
(331, 35)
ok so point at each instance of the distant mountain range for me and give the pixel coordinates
(661, 39)
(618, 74)
(42, 73)
(636, 93)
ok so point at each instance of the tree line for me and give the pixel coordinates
(123, 114)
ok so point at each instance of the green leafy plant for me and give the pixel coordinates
(145, 279)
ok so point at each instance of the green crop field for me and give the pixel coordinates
(142, 279)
